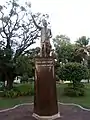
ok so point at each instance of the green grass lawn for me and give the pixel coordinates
(9, 102)
(83, 101)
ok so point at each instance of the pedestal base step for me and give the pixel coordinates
(53, 117)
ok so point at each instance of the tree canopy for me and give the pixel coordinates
(17, 34)
(63, 48)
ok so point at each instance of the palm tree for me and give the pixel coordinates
(83, 49)
(83, 41)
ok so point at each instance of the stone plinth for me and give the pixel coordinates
(45, 98)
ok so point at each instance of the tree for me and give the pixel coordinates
(33, 52)
(64, 51)
(17, 33)
(74, 72)
(24, 67)
(63, 48)
(83, 41)
(61, 39)
(83, 49)
(25, 63)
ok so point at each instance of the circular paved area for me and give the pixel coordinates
(25, 113)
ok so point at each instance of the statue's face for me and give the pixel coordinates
(44, 23)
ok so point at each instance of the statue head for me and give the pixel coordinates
(44, 23)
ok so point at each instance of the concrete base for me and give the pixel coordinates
(53, 117)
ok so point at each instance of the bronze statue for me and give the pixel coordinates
(45, 38)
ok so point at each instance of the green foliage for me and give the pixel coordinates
(1, 93)
(26, 89)
(74, 72)
(21, 90)
(78, 90)
(24, 66)
(67, 52)
(83, 41)
(17, 35)
(63, 48)
(24, 78)
(33, 52)
(61, 39)
(11, 93)
(82, 49)
(64, 51)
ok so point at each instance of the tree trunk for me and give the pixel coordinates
(9, 84)
(9, 80)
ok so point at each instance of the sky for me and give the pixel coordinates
(68, 17)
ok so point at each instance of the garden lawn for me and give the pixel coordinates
(83, 101)
(11, 102)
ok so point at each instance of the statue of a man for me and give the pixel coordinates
(45, 38)
(45, 32)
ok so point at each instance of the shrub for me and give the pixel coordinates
(74, 72)
(1, 93)
(11, 93)
(79, 90)
(21, 90)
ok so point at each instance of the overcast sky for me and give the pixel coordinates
(69, 17)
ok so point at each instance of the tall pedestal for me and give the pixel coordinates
(45, 98)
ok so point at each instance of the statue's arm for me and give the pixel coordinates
(39, 27)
